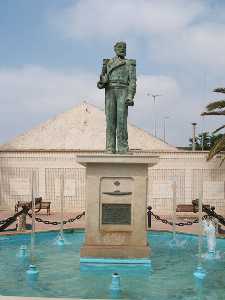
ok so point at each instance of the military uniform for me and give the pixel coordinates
(118, 77)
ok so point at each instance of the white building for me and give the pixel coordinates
(49, 150)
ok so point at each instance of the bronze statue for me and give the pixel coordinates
(118, 78)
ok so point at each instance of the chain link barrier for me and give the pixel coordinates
(47, 222)
(149, 212)
(5, 220)
(71, 220)
(165, 221)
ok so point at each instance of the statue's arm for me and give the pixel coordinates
(103, 77)
(132, 80)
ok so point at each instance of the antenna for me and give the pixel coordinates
(155, 115)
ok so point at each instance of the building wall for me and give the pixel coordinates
(22, 172)
(193, 176)
(44, 173)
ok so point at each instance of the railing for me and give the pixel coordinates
(25, 209)
(210, 211)
(150, 214)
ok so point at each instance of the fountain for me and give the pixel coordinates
(105, 282)
(200, 273)
(210, 231)
(175, 242)
(209, 227)
(22, 251)
(174, 209)
(32, 272)
(170, 276)
(60, 238)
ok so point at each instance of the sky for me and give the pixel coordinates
(51, 54)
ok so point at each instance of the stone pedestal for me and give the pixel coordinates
(116, 197)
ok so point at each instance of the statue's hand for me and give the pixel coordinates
(104, 78)
(129, 102)
(102, 82)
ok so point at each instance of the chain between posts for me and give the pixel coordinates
(165, 221)
(71, 220)
(5, 220)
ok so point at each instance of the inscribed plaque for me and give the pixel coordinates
(119, 214)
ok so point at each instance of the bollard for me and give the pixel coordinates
(32, 273)
(199, 273)
(115, 283)
(149, 208)
(115, 289)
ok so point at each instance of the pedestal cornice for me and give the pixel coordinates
(85, 159)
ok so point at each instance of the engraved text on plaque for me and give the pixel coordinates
(116, 214)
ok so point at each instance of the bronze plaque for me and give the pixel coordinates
(116, 214)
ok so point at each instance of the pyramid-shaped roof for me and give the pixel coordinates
(81, 128)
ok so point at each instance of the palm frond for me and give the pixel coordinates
(218, 129)
(222, 160)
(219, 90)
(218, 147)
(213, 113)
(216, 105)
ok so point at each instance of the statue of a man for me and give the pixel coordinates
(118, 78)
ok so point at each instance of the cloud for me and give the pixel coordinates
(187, 33)
(39, 89)
(176, 43)
(105, 19)
(39, 93)
(198, 46)
(32, 94)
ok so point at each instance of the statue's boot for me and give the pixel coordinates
(110, 151)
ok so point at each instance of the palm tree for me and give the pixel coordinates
(216, 108)
(205, 141)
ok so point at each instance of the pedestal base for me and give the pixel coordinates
(111, 262)
(115, 251)
(116, 197)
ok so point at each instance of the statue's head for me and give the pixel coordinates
(120, 49)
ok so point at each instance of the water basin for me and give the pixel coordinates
(169, 278)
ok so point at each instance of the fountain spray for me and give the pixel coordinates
(200, 273)
(60, 238)
(174, 210)
(32, 272)
(209, 226)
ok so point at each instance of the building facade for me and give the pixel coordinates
(37, 161)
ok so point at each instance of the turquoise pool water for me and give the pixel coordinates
(170, 278)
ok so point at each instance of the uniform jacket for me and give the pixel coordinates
(119, 73)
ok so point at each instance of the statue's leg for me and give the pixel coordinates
(122, 110)
(110, 112)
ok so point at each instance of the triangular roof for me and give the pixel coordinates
(81, 128)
